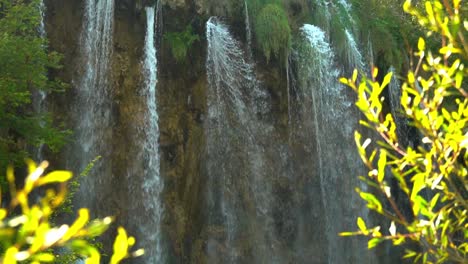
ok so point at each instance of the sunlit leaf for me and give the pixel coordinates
(421, 44)
(362, 225)
(55, 177)
(381, 165)
(373, 242)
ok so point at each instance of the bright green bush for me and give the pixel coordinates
(272, 32)
(27, 234)
(433, 175)
(180, 42)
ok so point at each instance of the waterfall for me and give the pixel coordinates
(239, 194)
(91, 110)
(39, 96)
(42, 10)
(248, 31)
(93, 86)
(327, 113)
(146, 207)
(353, 55)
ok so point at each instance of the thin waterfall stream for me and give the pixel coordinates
(145, 189)
(38, 96)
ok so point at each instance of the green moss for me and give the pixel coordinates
(180, 42)
(272, 31)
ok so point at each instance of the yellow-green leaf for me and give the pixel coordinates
(54, 177)
(120, 246)
(381, 165)
(421, 44)
(362, 225)
(80, 222)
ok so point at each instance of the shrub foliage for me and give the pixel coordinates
(28, 235)
(433, 174)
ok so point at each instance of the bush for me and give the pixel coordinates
(180, 42)
(433, 175)
(272, 32)
(27, 234)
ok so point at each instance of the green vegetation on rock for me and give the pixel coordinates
(180, 42)
(272, 32)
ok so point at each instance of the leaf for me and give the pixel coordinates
(392, 229)
(387, 79)
(418, 185)
(80, 222)
(120, 246)
(421, 44)
(375, 72)
(10, 255)
(381, 165)
(355, 74)
(372, 202)
(373, 242)
(44, 257)
(55, 177)
(411, 78)
(362, 225)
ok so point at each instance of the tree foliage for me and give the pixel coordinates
(433, 174)
(27, 234)
(24, 64)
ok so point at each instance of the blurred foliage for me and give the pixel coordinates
(272, 32)
(27, 234)
(432, 175)
(24, 64)
(180, 42)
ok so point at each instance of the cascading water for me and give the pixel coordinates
(354, 57)
(327, 114)
(145, 188)
(235, 156)
(92, 108)
(248, 31)
(39, 96)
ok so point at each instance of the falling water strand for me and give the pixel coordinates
(319, 68)
(248, 31)
(348, 12)
(354, 57)
(94, 91)
(92, 106)
(149, 217)
(40, 96)
(235, 164)
(333, 120)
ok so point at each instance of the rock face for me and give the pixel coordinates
(293, 228)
